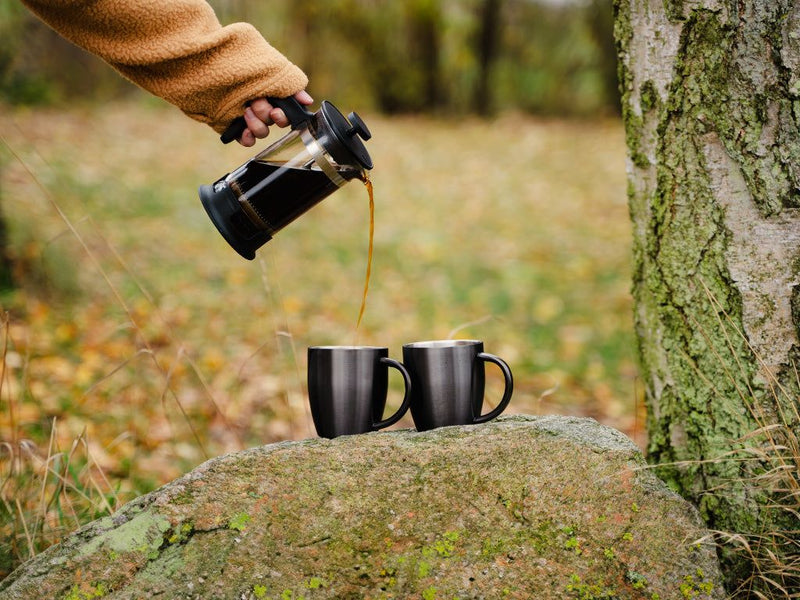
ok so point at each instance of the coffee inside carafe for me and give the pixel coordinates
(274, 194)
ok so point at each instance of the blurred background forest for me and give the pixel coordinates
(444, 57)
(136, 343)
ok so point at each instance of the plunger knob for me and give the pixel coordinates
(357, 127)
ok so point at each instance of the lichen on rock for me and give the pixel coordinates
(545, 507)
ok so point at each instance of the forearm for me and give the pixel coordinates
(178, 51)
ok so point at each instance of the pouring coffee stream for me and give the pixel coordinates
(370, 191)
(322, 152)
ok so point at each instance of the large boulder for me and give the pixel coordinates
(522, 507)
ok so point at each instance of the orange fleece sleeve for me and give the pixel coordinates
(179, 51)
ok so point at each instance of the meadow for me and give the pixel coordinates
(138, 343)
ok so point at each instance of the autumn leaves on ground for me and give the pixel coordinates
(137, 343)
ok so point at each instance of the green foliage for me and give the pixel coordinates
(16, 85)
(45, 497)
(418, 56)
(38, 67)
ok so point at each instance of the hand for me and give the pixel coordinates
(261, 114)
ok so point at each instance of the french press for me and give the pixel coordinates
(322, 152)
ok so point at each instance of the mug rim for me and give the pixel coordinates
(442, 343)
(350, 348)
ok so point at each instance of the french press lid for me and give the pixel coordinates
(348, 134)
(345, 145)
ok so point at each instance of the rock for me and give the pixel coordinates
(522, 507)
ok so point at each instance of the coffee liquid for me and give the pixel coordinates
(278, 194)
(368, 183)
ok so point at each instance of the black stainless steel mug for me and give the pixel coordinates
(448, 381)
(347, 388)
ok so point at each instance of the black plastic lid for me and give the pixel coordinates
(349, 132)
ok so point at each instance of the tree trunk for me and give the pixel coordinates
(600, 21)
(711, 104)
(486, 45)
(424, 18)
(6, 262)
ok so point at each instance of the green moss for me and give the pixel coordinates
(492, 548)
(648, 97)
(144, 534)
(634, 136)
(697, 365)
(87, 592)
(315, 583)
(623, 34)
(577, 588)
(695, 586)
(573, 544)
(443, 547)
(239, 522)
(674, 9)
(429, 593)
(259, 591)
(185, 497)
(637, 581)
(180, 533)
(423, 569)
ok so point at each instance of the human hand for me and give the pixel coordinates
(261, 114)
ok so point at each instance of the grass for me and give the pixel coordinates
(762, 559)
(771, 459)
(141, 344)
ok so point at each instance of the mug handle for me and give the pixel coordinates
(506, 394)
(406, 399)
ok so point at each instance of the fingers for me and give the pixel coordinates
(258, 124)
(278, 116)
(261, 114)
(261, 109)
(248, 139)
(304, 98)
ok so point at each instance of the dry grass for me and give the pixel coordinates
(766, 462)
(771, 458)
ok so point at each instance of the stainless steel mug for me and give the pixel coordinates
(347, 388)
(448, 381)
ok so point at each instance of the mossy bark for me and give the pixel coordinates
(711, 104)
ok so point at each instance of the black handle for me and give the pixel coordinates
(406, 398)
(485, 356)
(293, 110)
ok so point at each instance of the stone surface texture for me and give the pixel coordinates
(523, 507)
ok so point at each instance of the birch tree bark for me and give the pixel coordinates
(711, 104)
